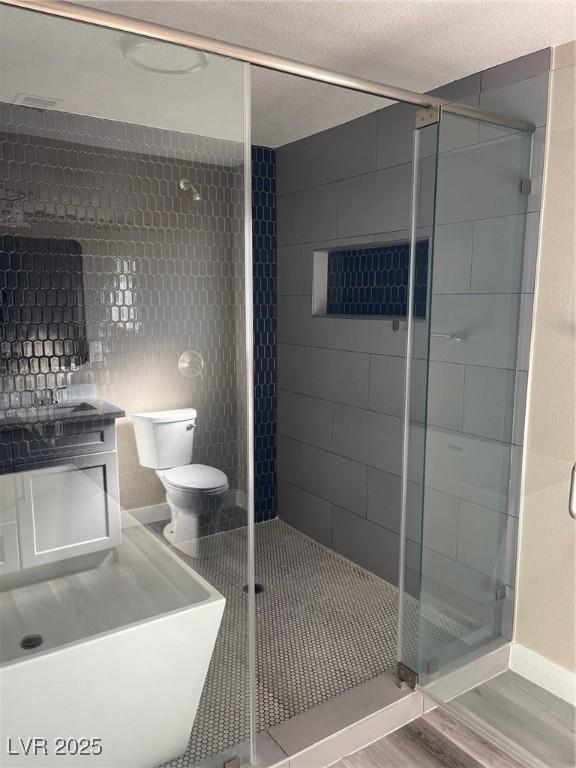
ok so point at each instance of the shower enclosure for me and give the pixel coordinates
(126, 252)
(465, 388)
(124, 284)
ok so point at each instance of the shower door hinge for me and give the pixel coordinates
(501, 592)
(525, 186)
(233, 762)
(429, 116)
(406, 675)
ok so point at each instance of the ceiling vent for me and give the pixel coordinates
(36, 102)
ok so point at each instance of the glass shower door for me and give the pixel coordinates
(468, 362)
(126, 506)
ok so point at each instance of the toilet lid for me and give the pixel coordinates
(196, 476)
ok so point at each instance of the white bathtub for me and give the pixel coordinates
(124, 659)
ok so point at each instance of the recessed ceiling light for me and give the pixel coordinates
(164, 58)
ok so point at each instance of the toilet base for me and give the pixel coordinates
(188, 529)
(191, 547)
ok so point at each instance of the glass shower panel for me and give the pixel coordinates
(424, 181)
(125, 501)
(465, 436)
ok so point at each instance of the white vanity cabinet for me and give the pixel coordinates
(60, 505)
(67, 510)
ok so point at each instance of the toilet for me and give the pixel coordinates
(194, 492)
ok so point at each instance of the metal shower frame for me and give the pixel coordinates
(101, 18)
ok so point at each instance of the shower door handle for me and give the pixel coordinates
(453, 336)
(572, 496)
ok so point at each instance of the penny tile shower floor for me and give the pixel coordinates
(324, 626)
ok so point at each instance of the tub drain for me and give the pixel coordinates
(31, 641)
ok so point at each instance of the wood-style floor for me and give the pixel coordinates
(507, 722)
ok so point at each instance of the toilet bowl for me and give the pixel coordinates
(194, 492)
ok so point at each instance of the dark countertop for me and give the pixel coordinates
(91, 410)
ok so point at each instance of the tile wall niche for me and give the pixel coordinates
(340, 381)
(374, 280)
(162, 274)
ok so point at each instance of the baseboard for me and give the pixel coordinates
(155, 513)
(543, 672)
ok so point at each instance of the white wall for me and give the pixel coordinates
(546, 607)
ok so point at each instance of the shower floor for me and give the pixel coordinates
(323, 626)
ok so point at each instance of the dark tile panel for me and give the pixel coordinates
(264, 256)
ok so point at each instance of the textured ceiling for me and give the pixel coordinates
(414, 44)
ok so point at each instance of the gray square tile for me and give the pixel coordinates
(525, 100)
(294, 276)
(342, 152)
(334, 478)
(304, 511)
(375, 548)
(291, 167)
(524, 67)
(375, 202)
(530, 252)
(289, 368)
(289, 460)
(375, 335)
(305, 418)
(497, 264)
(335, 375)
(473, 468)
(368, 437)
(482, 541)
(537, 174)
(384, 499)
(452, 257)
(297, 325)
(396, 125)
(437, 393)
(432, 519)
(525, 330)
(487, 323)
(466, 90)
(482, 181)
(387, 375)
(489, 402)
(307, 215)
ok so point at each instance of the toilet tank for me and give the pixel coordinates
(165, 439)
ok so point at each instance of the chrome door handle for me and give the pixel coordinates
(572, 496)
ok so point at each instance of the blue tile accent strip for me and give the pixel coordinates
(264, 255)
(374, 280)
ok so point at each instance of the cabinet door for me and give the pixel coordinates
(67, 510)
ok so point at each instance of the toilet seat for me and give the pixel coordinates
(197, 478)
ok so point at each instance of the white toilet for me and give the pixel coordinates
(165, 441)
